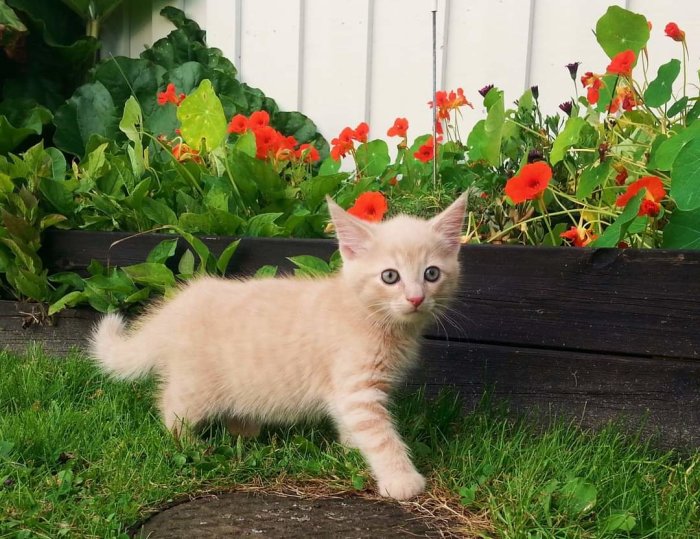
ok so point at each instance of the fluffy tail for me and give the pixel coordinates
(119, 354)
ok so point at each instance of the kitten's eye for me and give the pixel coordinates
(432, 274)
(390, 276)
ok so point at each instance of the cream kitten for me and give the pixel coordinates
(279, 350)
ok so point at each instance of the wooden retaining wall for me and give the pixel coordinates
(591, 334)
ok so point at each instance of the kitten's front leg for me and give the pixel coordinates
(364, 421)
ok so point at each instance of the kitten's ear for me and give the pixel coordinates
(449, 223)
(354, 235)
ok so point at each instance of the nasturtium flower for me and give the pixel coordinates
(170, 95)
(675, 33)
(182, 152)
(238, 124)
(342, 144)
(360, 132)
(621, 176)
(622, 63)
(444, 102)
(655, 192)
(370, 206)
(307, 153)
(267, 141)
(593, 83)
(259, 119)
(579, 236)
(426, 152)
(530, 183)
(624, 98)
(399, 129)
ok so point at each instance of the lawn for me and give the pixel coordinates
(81, 456)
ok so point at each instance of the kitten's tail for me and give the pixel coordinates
(117, 353)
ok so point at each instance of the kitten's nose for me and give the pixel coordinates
(416, 301)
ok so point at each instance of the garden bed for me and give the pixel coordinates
(597, 335)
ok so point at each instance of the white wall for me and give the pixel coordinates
(345, 61)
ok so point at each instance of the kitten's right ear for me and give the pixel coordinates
(354, 235)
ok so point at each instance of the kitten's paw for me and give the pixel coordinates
(402, 486)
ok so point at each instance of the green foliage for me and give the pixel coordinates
(620, 30)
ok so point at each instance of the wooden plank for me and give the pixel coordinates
(618, 301)
(659, 394)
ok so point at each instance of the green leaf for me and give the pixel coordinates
(619, 521)
(263, 225)
(569, 136)
(616, 231)
(203, 253)
(202, 119)
(678, 106)
(311, 266)
(484, 141)
(69, 300)
(162, 252)
(246, 144)
(329, 166)
(19, 119)
(372, 158)
(92, 9)
(685, 177)
(578, 496)
(664, 154)
(225, 256)
(265, 272)
(186, 264)
(158, 212)
(660, 89)
(316, 189)
(151, 274)
(682, 230)
(619, 30)
(591, 178)
(90, 111)
(59, 193)
(10, 21)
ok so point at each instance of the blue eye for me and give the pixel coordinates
(390, 276)
(432, 274)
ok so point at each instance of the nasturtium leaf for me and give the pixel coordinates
(568, 137)
(329, 166)
(246, 144)
(617, 230)
(682, 230)
(678, 106)
(660, 89)
(664, 154)
(372, 158)
(202, 119)
(619, 30)
(591, 178)
(685, 176)
(315, 189)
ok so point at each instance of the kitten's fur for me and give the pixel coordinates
(277, 350)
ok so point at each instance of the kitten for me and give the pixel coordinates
(278, 350)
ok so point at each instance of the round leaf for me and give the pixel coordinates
(619, 30)
(202, 119)
(660, 89)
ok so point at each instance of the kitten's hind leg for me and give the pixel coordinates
(242, 427)
(362, 416)
(180, 416)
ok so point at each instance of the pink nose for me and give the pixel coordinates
(416, 301)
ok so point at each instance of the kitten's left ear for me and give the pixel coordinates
(354, 235)
(449, 223)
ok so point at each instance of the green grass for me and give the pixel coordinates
(82, 456)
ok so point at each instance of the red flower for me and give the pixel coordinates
(399, 128)
(621, 176)
(438, 127)
(622, 63)
(625, 97)
(655, 192)
(360, 132)
(675, 33)
(446, 102)
(370, 206)
(593, 82)
(267, 141)
(238, 124)
(307, 153)
(259, 119)
(579, 235)
(170, 96)
(426, 152)
(342, 144)
(530, 183)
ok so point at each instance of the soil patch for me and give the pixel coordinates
(252, 514)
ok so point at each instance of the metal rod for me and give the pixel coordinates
(435, 146)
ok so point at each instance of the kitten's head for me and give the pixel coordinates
(403, 269)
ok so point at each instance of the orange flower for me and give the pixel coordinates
(170, 96)
(625, 97)
(579, 235)
(238, 124)
(267, 141)
(399, 128)
(621, 176)
(655, 192)
(360, 132)
(426, 152)
(675, 33)
(259, 119)
(342, 144)
(370, 206)
(182, 152)
(307, 153)
(530, 183)
(622, 63)
(446, 102)
(593, 82)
